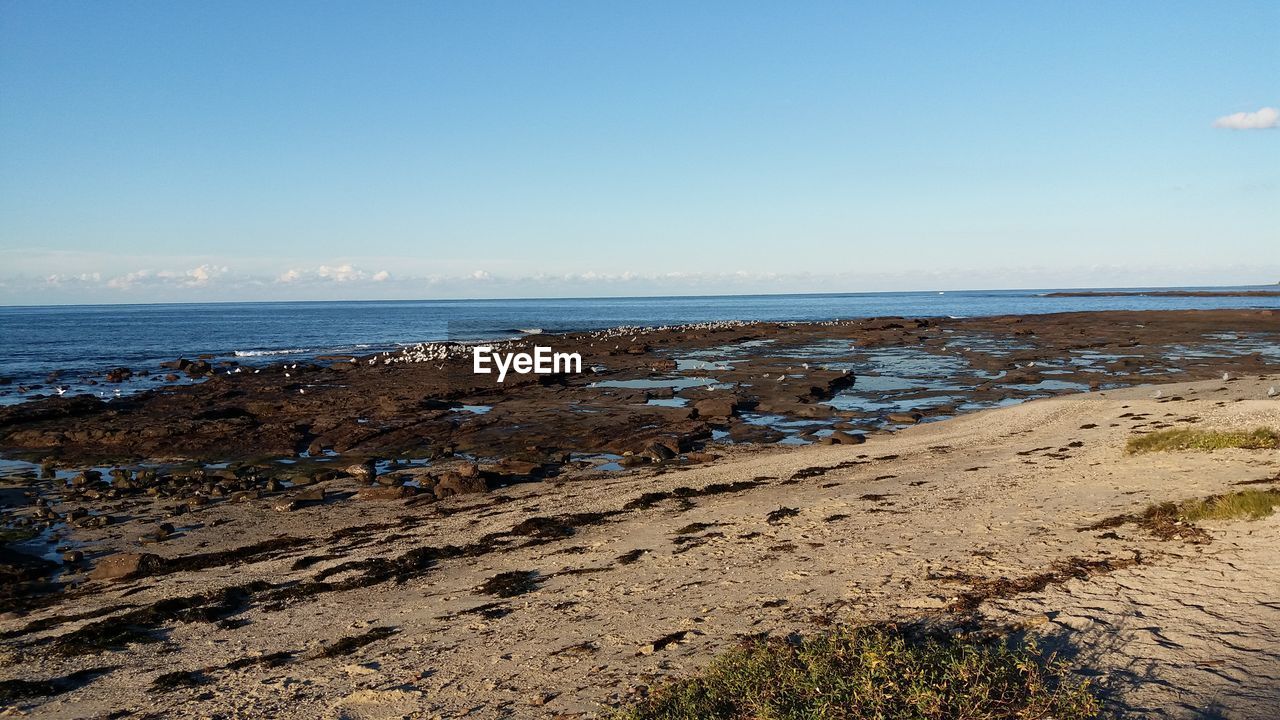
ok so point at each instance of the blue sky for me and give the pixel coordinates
(158, 151)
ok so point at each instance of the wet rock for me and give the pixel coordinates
(199, 368)
(74, 557)
(744, 432)
(905, 418)
(124, 566)
(120, 374)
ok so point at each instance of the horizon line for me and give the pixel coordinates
(651, 297)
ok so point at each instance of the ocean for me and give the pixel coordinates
(81, 342)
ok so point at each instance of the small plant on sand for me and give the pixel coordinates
(1177, 520)
(1189, 439)
(1246, 504)
(886, 672)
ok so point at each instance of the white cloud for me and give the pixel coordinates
(341, 273)
(128, 280)
(195, 277)
(1267, 117)
(344, 273)
(58, 279)
(481, 275)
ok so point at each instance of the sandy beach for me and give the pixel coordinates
(563, 597)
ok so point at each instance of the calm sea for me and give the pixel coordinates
(83, 341)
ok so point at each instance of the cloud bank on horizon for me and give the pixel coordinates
(347, 281)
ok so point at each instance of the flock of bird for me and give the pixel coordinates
(442, 351)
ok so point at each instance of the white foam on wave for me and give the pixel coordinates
(266, 353)
(530, 331)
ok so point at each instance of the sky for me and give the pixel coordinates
(168, 152)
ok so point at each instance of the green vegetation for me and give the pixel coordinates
(1247, 504)
(1189, 439)
(1177, 520)
(886, 672)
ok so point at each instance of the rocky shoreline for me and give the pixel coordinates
(646, 392)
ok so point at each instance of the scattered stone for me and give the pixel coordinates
(118, 375)
(844, 438)
(396, 492)
(452, 483)
(363, 471)
(124, 566)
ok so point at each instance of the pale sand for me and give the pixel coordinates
(997, 493)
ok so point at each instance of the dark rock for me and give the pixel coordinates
(454, 484)
(659, 451)
(715, 408)
(844, 438)
(199, 368)
(124, 566)
(399, 492)
(120, 374)
(364, 471)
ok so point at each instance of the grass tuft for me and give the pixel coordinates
(1246, 504)
(1177, 520)
(886, 672)
(1207, 440)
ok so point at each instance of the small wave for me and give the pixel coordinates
(266, 353)
(529, 331)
